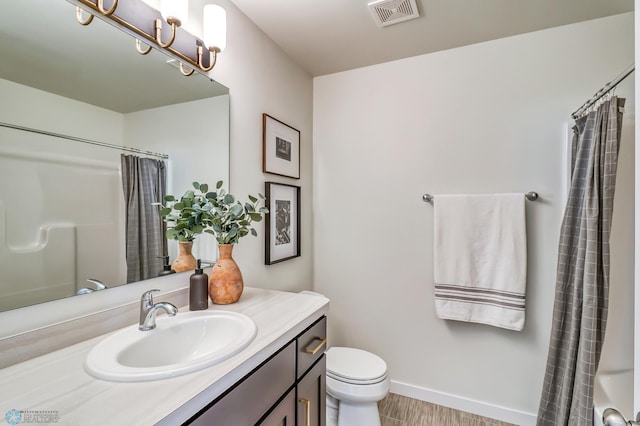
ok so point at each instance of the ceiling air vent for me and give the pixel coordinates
(388, 12)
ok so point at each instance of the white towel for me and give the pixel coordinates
(480, 258)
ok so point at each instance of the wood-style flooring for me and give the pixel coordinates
(397, 410)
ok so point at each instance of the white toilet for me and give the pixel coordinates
(356, 381)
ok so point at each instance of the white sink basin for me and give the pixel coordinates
(178, 345)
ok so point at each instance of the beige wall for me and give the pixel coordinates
(262, 79)
(491, 117)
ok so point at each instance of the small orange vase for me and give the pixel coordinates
(225, 278)
(185, 260)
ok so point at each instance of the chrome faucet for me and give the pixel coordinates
(149, 310)
(99, 286)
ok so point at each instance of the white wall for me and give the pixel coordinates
(636, 296)
(617, 352)
(484, 118)
(262, 79)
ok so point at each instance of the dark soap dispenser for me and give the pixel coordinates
(166, 267)
(198, 290)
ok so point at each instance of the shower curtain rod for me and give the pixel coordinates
(606, 89)
(89, 141)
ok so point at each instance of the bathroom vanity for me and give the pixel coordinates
(295, 375)
(278, 377)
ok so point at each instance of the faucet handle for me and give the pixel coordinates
(99, 284)
(147, 297)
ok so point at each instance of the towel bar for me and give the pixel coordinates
(531, 196)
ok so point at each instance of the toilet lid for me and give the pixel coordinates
(355, 365)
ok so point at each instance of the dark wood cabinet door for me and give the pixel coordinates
(283, 414)
(311, 402)
(255, 394)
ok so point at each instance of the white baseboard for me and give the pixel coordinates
(464, 404)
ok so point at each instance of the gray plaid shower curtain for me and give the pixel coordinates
(143, 183)
(582, 282)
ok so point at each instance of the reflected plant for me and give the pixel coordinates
(186, 217)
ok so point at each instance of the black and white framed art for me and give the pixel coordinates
(280, 148)
(282, 233)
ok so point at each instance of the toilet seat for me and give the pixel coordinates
(356, 382)
(350, 393)
(355, 366)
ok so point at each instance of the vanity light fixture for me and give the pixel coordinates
(146, 25)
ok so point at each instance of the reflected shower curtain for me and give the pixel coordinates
(582, 281)
(143, 183)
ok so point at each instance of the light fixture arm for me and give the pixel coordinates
(101, 9)
(213, 56)
(107, 12)
(184, 72)
(140, 49)
(175, 23)
(81, 20)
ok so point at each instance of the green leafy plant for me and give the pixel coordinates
(188, 216)
(229, 219)
(217, 212)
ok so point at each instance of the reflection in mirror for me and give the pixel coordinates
(69, 94)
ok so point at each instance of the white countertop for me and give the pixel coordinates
(57, 382)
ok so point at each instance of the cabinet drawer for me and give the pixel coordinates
(254, 396)
(311, 345)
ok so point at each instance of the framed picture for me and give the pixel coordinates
(280, 148)
(282, 235)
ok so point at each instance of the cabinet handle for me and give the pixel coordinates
(317, 348)
(307, 409)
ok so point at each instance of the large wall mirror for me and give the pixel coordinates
(67, 91)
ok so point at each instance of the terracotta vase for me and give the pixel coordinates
(185, 260)
(225, 278)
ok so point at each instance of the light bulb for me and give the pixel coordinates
(215, 26)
